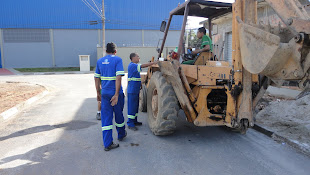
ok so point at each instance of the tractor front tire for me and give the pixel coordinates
(162, 106)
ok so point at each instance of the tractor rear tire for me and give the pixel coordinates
(142, 99)
(162, 106)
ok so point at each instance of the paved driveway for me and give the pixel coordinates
(60, 135)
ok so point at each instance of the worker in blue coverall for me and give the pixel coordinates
(133, 89)
(110, 70)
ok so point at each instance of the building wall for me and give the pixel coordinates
(140, 38)
(145, 53)
(124, 38)
(220, 34)
(61, 47)
(22, 55)
(26, 48)
(55, 32)
(69, 44)
(1, 49)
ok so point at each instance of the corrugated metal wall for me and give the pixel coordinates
(69, 44)
(62, 47)
(68, 14)
(22, 50)
(145, 53)
(74, 14)
(140, 14)
(140, 38)
(64, 44)
(47, 33)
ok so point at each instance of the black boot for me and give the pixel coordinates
(138, 123)
(133, 128)
(112, 146)
(121, 139)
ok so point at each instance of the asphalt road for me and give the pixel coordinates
(60, 135)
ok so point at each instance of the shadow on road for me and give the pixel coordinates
(79, 150)
(73, 125)
(42, 157)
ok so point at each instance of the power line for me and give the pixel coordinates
(96, 6)
(92, 8)
(99, 11)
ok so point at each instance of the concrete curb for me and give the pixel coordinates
(16, 72)
(19, 107)
(56, 73)
(283, 92)
(305, 149)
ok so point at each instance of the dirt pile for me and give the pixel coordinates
(13, 93)
(287, 118)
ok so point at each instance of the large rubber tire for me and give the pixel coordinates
(162, 106)
(142, 99)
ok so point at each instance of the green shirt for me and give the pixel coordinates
(206, 40)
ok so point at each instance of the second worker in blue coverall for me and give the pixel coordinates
(133, 89)
(110, 70)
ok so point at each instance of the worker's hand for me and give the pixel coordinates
(114, 100)
(196, 51)
(98, 97)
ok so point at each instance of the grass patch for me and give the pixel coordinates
(52, 69)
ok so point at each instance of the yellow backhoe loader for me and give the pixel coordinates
(213, 93)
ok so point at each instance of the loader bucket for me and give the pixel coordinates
(261, 51)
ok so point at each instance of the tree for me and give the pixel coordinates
(193, 41)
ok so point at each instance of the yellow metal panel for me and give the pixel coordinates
(217, 63)
(255, 78)
(203, 58)
(249, 15)
(190, 71)
(208, 75)
(236, 55)
(203, 118)
(231, 108)
(202, 99)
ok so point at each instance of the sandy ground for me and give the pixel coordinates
(287, 118)
(13, 93)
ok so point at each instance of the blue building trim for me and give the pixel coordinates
(74, 14)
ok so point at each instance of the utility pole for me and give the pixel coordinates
(190, 39)
(103, 29)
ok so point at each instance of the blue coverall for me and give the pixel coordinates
(133, 89)
(107, 69)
